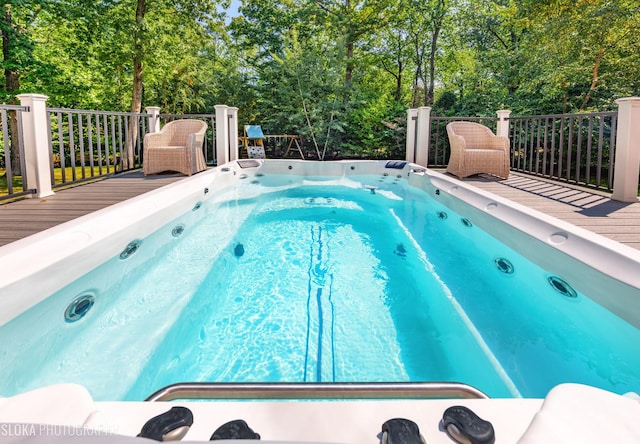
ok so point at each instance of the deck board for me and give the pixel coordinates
(590, 210)
(29, 216)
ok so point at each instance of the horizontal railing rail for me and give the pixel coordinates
(439, 149)
(87, 144)
(13, 171)
(262, 391)
(575, 148)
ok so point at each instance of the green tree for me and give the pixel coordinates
(339, 72)
(17, 47)
(584, 53)
(391, 51)
(352, 21)
(424, 27)
(305, 91)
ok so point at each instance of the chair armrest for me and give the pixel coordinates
(196, 140)
(457, 142)
(194, 143)
(502, 143)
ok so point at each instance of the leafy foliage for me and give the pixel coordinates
(340, 73)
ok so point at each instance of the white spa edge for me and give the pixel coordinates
(39, 265)
(35, 267)
(346, 422)
(570, 413)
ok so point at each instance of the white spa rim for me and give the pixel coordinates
(37, 266)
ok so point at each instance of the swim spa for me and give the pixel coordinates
(320, 272)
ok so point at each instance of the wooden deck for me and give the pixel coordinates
(590, 210)
(28, 216)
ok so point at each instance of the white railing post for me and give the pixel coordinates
(410, 149)
(627, 160)
(233, 133)
(37, 159)
(502, 128)
(422, 139)
(222, 135)
(154, 118)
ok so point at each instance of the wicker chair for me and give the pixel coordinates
(177, 147)
(475, 149)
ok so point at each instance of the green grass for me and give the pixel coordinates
(57, 177)
(4, 188)
(68, 171)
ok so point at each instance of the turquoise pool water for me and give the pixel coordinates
(330, 281)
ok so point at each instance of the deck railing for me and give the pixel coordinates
(575, 148)
(77, 145)
(85, 145)
(56, 147)
(13, 170)
(580, 149)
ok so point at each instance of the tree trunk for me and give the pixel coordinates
(397, 95)
(348, 74)
(136, 96)
(417, 62)
(428, 99)
(400, 67)
(12, 84)
(349, 70)
(594, 78)
(417, 95)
